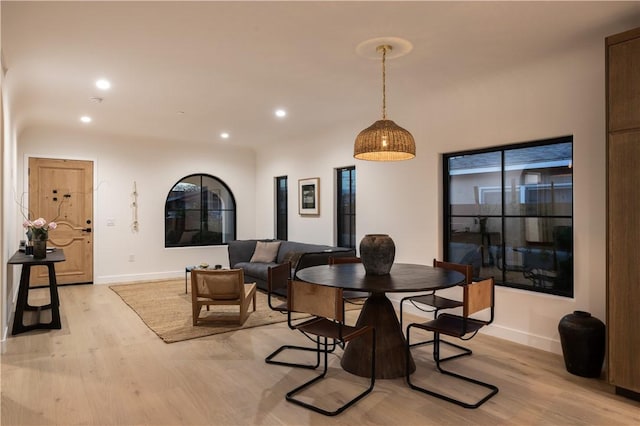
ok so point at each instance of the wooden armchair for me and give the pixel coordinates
(221, 287)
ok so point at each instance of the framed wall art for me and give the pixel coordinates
(309, 196)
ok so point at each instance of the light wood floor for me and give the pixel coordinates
(106, 367)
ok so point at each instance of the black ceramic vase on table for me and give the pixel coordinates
(377, 252)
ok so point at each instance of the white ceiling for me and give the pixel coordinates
(228, 65)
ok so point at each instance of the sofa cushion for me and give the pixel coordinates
(255, 269)
(265, 252)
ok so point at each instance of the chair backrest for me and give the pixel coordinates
(218, 284)
(278, 276)
(479, 296)
(467, 270)
(315, 299)
(333, 260)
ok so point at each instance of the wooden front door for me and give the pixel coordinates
(62, 191)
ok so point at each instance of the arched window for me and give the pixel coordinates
(200, 211)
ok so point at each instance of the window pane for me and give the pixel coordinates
(200, 210)
(477, 242)
(539, 254)
(475, 186)
(346, 206)
(539, 180)
(281, 207)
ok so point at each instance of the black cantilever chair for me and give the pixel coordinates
(277, 283)
(431, 302)
(326, 304)
(477, 297)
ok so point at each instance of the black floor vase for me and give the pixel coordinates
(583, 343)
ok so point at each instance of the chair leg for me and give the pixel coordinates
(270, 358)
(195, 312)
(291, 395)
(242, 315)
(464, 351)
(436, 356)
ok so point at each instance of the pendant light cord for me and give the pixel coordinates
(384, 83)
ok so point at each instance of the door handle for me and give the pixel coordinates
(86, 230)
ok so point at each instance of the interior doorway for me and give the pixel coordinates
(62, 191)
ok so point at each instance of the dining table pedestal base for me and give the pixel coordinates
(378, 312)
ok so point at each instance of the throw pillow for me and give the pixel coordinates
(265, 252)
(293, 257)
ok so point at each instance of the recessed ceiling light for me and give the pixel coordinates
(103, 84)
(224, 135)
(281, 113)
(85, 119)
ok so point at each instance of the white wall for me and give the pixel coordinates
(561, 95)
(9, 277)
(155, 166)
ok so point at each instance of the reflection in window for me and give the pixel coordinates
(509, 213)
(199, 211)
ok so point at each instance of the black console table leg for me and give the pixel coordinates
(55, 299)
(22, 303)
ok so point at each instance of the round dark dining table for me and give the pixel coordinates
(378, 310)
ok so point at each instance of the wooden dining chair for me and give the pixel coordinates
(326, 304)
(353, 297)
(478, 299)
(210, 287)
(431, 302)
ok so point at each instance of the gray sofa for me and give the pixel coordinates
(241, 251)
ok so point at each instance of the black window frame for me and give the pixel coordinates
(282, 208)
(346, 209)
(210, 238)
(503, 251)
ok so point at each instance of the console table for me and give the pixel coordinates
(22, 304)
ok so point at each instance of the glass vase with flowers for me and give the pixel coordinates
(38, 234)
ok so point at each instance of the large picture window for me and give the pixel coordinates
(199, 211)
(509, 213)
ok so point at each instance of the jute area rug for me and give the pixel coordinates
(165, 308)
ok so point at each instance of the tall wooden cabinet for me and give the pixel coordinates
(623, 212)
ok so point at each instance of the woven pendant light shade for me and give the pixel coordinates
(384, 140)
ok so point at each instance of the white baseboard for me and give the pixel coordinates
(496, 330)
